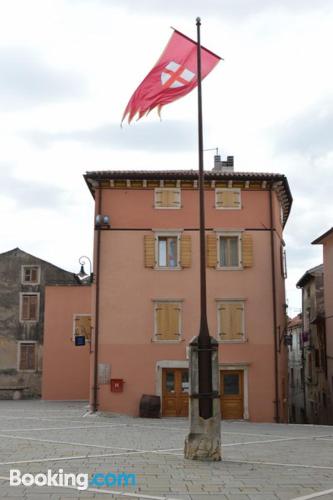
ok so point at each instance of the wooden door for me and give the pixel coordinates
(232, 394)
(175, 392)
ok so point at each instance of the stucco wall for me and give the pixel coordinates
(65, 366)
(127, 291)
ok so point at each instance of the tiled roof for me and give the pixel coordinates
(321, 238)
(310, 273)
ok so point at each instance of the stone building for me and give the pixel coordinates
(314, 345)
(22, 285)
(296, 371)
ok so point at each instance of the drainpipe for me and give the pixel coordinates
(276, 367)
(97, 284)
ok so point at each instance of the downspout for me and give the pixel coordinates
(97, 284)
(276, 367)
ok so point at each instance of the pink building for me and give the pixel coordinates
(326, 240)
(65, 365)
(146, 304)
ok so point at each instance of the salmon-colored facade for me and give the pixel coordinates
(65, 365)
(130, 291)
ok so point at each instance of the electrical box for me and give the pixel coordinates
(117, 385)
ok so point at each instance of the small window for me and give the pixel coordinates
(229, 251)
(82, 326)
(230, 320)
(283, 257)
(167, 198)
(167, 251)
(30, 274)
(27, 356)
(167, 321)
(227, 199)
(29, 307)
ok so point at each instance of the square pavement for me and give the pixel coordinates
(260, 461)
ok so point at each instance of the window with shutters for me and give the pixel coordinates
(230, 321)
(168, 250)
(227, 199)
(30, 275)
(29, 307)
(167, 321)
(27, 356)
(167, 198)
(229, 250)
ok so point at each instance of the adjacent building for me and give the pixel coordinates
(146, 296)
(296, 379)
(22, 297)
(314, 346)
(326, 240)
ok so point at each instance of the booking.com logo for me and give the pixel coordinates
(80, 481)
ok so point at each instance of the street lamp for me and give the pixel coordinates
(82, 275)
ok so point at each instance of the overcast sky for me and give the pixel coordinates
(68, 68)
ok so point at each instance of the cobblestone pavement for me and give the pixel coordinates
(260, 461)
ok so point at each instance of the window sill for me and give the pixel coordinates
(156, 268)
(220, 268)
(29, 321)
(161, 341)
(167, 208)
(236, 341)
(227, 208)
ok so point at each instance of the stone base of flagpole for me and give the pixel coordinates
(204, 439)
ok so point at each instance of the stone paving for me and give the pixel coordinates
(260, 461)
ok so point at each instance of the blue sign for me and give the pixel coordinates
(80, 340)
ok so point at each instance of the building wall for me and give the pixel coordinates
(127, 291)
(328, 292)
(13, 329)
(65, 366)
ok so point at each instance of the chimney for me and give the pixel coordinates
(223, 165)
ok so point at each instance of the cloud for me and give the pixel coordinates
(310, 133)
(26, 80)
(223, 8)
(29, 194)
(167, 136)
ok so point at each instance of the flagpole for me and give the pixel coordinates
(204, 347)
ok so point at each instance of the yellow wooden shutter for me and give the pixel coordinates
(174, 198)
(218, 199)
(167, 321)
(235, 199)
(149, 251)
(237, 320)
(224, 321)
(158, 197)
(185, 251)
(211, 250)
(247, 250)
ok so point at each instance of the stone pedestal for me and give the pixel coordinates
(204, 440)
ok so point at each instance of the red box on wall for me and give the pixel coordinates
(117, 385)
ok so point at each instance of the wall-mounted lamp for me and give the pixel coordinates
(82, 275)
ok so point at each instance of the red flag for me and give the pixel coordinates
(173, 76)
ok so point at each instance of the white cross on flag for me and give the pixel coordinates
(175, 75)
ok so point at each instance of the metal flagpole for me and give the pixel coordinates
(204, 351)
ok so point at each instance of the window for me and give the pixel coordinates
(29, 308)
(167, 249)
(27, 356)
(30, 274)
(230, 320)
(229, 251)
(227, 199)
(167, 321)
(167, 198)
(82, 326)
(283, 258)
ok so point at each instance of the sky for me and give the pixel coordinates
(69, 67)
